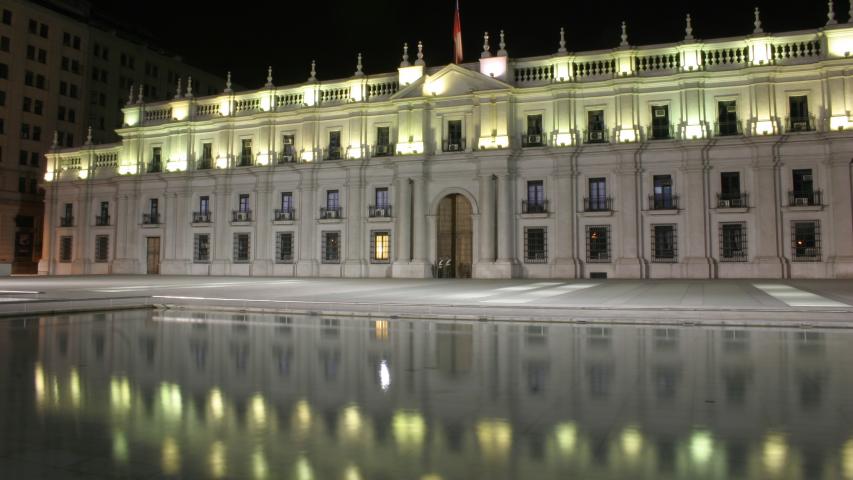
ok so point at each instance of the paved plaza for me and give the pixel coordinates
(705, 301)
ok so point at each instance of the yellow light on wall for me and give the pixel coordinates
(127, 169)
(494, 437)
(380, 329)
(433, 86)
(350, 423)
(701, 446)
(74, 388)
(48, 176)
(258, 410)
(217, 459)
(309, 96)
(632, 442)
(690, 60)
(847, 460)
(177, 163)
(83, 174)
(764, 127)
(260, 469)
(409, 429)
(493, 66)
(775, 454)
(263, 158)
(562, 71)
(410, 75)
(839, 122)
(498, 141)
(303, 469)
(627, 135)
(170, 400)
(170, 456)
(302, 416)
(307, 156)
(266, 103)
(222, 161)
(180, 112)
(225, 107)
(840, 42)
(356, 93)
(355, 151)
(120, 396)
(760, 53)
(120, 450)
(563, 139)
(131, 116)
(40, 385)
(694, 132)
(216, 405)
(410, 148)
(566, 437)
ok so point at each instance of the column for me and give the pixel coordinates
(419, 222)
(355, 264)
(841, 229)
(697, 261)
(565, 263)
(766, 236)
(630, 264)
(221, 228)
(48, 233)
(308, 248)
(487, 219)
(262, 257)
(506, 263)
(402, 216)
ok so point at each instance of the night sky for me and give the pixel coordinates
(245, 37)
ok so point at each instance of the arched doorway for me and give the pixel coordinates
(454, 257)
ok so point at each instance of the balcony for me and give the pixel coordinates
(532, 140)
(155, 167)
(241, 216)
(727, 129)
(151, 219)
(245, 160)
(202, 217)
(330, 213)
(334, 153)
(453, 145)
(598, 204)
(663, 202)
(379, 211)
(660, 132)
(534, 207)
(66, 221)
(284, 214)
(800, 124)
(733, 200)
(596, 135)
(102, 221)
(204, 164)
(805, 199)
(286, 157)
(383, 150)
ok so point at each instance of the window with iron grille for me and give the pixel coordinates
(664, 244)
(65, 244)
(331, 247)
(535, 245)
(380, 246)
(598, 243)
(733, 242)
(284, 247)
(805, 241)
(102, 248)
(241, 247)
(201, 248)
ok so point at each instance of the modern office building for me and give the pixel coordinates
(64, 68)
(697, 159)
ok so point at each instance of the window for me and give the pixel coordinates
(535, 196)
(595, 126)
(65, 248)
(454, 136)
(332, 198)
(727, 123)
(284, 247)
(805, 241)
(206, 155)
(22, 185)
(155, 165)
(534, 131)
(65, 62)
(201, 248)
(36, 133)
(72, 116)
(334, 145)
(72, 91)
(380, 247)
(204, 204)
(241, 247)
(25, 131)
(288, 148)
(803, 192)
(660, 122)
(33, 26)
(4, 71)
(27, 104)
(383, 141)
(598, 201)
(33, 186)
(733, 242)
(7, 17)
(31, 52)
(535, 245)
(2, 98)
(598, 243)
(243, 205)
(730, 189)
(102, 246)
(42, 56)
(5, 43)
(246, 152)
(331, 247)
(798, 109)
(43, 31)
(105, 213)
(63, 88)
(286, 201)
(34, 159)
(22, 157)
(662, 197)
(76, 42)
(153, 206)
(40, 81)
(381, 196)
(29, 79)
(664, 246)
(38, 107)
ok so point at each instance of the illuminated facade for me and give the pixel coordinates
(697, 159)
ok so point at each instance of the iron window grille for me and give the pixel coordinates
(201, 248)
(66, 221)
(284, 247)
(598, 243)
(330, 247)
(102, 248)
(812, 198)
(380, 246)
(535, 245)
(805, 241)
(65, 245)
(733, 246)
(664, 244)
(242, 247)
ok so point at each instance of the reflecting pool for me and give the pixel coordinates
(153, 394)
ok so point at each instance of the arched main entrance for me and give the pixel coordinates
(454, 256)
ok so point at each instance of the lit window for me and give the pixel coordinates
(380, 247)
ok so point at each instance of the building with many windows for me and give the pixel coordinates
(697, 159)
(63, 68)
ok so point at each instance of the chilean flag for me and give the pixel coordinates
(457, 36)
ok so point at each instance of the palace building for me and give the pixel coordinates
(725, 158)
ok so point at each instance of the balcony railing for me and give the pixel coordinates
(663, 202)
(727, 129)
(532, 140)
(383, 150)
(379, 211)
(284, 214)
(660, 132)
(202, 217)
(204, 164)
(151, 219)
(102, 220)
(455, 145)
(241, 216)
(245, 160)
(66, 221)
(805, 199)
(598, 204)
(534, 207)
(330, 212)
(597, 135)
(155, 167)
(334, 153)
(733, 200)
(800, 124)
(287, 157)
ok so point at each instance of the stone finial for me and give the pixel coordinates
(228, 83)
(502, 51)
(269, 77)
(139, 98)
(486, 53)
(757, 22)
(830, 14)
(130, 96)
(55, 143)
(405, 62)
(688, 29)
(624, 35)
(313, 77)
(189, 87)
(89, 136)
(562, 48)
(178, 90)
(420, 60)
(358, 67)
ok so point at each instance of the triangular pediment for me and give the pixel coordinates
(449, 81)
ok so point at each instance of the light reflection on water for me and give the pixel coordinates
(204, 395)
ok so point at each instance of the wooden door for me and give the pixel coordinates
(153, 255)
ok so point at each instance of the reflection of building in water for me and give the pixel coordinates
(460, 400)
